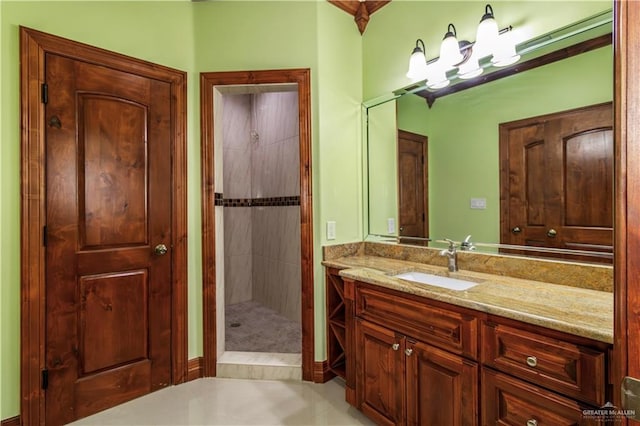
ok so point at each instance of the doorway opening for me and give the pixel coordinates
(259, 246)
(257, 238)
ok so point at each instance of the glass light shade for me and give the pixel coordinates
(450, 51)
(504, 53)
(417, 65)
(470, 68)
(486, 37)
(437, 75)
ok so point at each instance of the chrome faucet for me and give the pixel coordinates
(451, 254)
(467, 245)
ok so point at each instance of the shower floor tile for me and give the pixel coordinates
(251, 327)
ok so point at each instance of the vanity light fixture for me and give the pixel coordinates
(464, 55)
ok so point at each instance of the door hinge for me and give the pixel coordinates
(423, 218)
(45, 379)
(45, 93)
(423, 160)
(44, 236)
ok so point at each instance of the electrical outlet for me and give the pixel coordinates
(331, 230)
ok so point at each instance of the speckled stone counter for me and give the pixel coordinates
(579, 311)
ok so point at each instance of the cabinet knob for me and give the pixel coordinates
(395, 346)
(532, 361)
(552, 233)
(516, 230)
(532, 422)
(408, 351)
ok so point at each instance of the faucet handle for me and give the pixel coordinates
(452, 244)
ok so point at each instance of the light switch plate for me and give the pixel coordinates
(331, 230)
(478, 203)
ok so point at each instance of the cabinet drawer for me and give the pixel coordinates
(573, 370)
(509, 401)
(447, 329)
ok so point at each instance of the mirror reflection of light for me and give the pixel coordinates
(437, 75)
(505, 51)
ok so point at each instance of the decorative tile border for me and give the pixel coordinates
(219, 200)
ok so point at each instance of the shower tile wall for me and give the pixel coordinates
(276, 229)
(261, 160)
(237, 184)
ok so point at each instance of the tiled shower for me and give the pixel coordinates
(260, 202)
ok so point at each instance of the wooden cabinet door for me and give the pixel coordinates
(380, 370)
(442, 388)
(557, 180)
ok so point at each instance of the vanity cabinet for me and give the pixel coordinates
(419, 361)
(403, 374)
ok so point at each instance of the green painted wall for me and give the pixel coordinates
(382, 168)
(197, 37)
(337, 156)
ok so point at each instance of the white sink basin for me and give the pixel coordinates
(437, 280)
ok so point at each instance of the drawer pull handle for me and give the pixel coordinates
(408, 351)
(395, 346)
(532, 422)
(532, 361)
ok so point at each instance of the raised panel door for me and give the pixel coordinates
(442, 388)
(380, 369)
(108, 293)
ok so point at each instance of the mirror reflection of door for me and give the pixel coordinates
(412, 185)
(556, 181)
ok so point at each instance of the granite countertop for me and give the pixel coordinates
(578, 311)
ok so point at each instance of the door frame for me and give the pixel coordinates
(33, 47)
(207, 82)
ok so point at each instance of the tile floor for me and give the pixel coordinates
(215, 401)
(252, 327)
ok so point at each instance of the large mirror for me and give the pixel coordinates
(456, 192)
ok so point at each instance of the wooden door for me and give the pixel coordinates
(412, 185)
(108, 185)
(557, 181)
(442, 388)
(380, 369)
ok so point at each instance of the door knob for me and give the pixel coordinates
(516, 230)
(552, 233)
(401, 228)
(160, 249)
